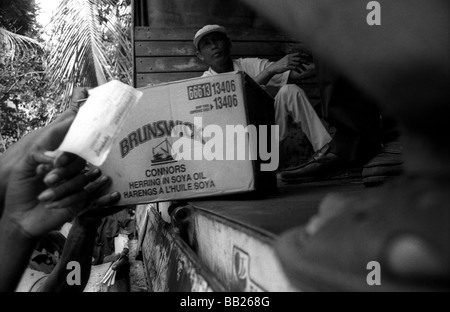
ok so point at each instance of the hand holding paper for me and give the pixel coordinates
(99, 121)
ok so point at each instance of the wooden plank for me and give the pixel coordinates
(169, 64)
(311, 90)
(157, 78)
(186, 48)
(164, 48)
(177, 64)
(187, 34)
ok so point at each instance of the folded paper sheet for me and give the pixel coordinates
(99, 121)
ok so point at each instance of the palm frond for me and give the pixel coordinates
(15, 44)
(80, 55)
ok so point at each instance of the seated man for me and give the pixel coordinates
(214, 48)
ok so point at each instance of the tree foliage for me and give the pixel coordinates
(24, 96)
(90, 44)
(21, 71)
(19, 16)
(18, 27)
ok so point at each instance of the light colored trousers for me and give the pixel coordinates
(291, 101)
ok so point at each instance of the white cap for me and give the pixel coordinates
(207, 30)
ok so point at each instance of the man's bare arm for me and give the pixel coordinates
(289, 62)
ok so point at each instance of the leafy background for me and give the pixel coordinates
(89, 43)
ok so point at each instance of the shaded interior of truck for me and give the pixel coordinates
(164, 50)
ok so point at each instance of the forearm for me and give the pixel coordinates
(4, 178)
(16, 248)
(264, 77)
(9, 159)
(79, 247)
(307, 71)
(298, 77)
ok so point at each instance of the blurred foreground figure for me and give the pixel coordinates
(397, 236)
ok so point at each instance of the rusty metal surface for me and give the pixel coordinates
(170, 264)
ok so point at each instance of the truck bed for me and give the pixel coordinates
(291, 206)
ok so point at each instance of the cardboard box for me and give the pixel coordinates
(166, 122)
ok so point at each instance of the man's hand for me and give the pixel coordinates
(98, 206)
(81, 239)
(289, 62)
(19, 150)
(310, 71)
(43, 192)
(27, 195)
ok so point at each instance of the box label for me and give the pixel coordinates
(145, 163)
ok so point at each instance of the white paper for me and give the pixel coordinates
(99, 120)
(120, 242)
